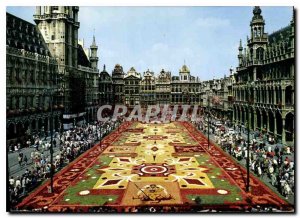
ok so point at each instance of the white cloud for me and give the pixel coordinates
(212, 22)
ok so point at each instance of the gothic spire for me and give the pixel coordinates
(240, 47)
(94, 41)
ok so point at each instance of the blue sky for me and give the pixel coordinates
(206, 38)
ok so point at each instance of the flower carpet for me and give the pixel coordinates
(155, 165)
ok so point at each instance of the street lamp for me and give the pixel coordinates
(49, 92)
(208, 123)
(100, 133)
(249, 85)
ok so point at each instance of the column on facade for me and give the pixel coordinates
(249, 116)
(272, 95)
(283, 130)
(261, 95)
(293, 96)
(241, 94)
(255, 119)
(38, 10)
(46, 9)
(267, 95)
(233, 115)
(255, 95)
(254, 72)
(61, 9)
(275, 124)
(283, 95)
(275, 96)
(278, 95)
(261, 120)
(70, 53)
(268, 125)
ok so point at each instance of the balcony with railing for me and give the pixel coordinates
(88, 69)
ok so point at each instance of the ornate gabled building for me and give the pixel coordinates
(31, 78)
(105, 87)
(163, 87)
(265, 80)
(228, 97)
(221, 96)
(208, 90)
(185, 89)
(132, 87)
(78, 73)
(147, 89)
(118, 84)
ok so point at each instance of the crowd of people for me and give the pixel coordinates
(69, 145)
(161, 209)
(269, 160)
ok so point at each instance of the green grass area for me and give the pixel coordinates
(235, 192)
(72, 192)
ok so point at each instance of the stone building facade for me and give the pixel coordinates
(147, 89)
(118, 84)
(163, 87)
(48, 69)
(265, 80)
(185, 88)
(31, 81)
(105, 88)
(132, 88)
(220, 94)
(79, 73)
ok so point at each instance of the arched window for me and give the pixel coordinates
(260, 54)
(251, 54)
(254, 32)
(258, 32)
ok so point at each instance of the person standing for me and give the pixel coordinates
(12, 182)
(20, 160)
(23, 183)
(18, 183)
(25, 159)
(32, 155)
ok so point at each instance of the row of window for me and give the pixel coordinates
(131, 82)
(26, 102)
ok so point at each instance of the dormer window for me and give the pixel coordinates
(54, 8)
